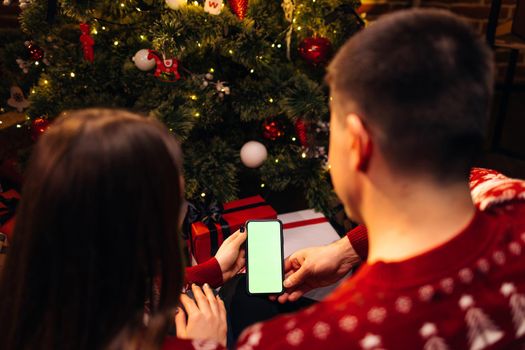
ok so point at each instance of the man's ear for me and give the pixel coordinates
(362, 146)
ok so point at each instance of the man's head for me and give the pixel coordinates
(411, 91)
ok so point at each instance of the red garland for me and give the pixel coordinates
(87, 43)
(239, 7)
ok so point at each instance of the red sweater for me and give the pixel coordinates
(468, 293)
(207, 272)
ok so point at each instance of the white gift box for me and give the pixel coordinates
(308, 228)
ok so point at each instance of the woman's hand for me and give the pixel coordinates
(206, 316)
(231, 255)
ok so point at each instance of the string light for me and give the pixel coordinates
(293, 139)
(46, 82)
(212, 70)
(1, 122)
(279, 46)
(115, 43)
(263, 185)
(33, 91)
(122, 4)
(94, 31)
(303, 155)
(252, 70)
(196, 3)
(299, 28)
(72, 74)
(273, 45)
(271, 100)
(138, 9)
(18, 126)
(103, 28)
(203, 194)
(231, 52)
(193, 97)
(142, 37)
(277, 160)
(197, 114)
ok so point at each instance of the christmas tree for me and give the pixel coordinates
(216, 74)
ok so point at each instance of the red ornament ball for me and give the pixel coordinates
(38, 127)
(315, 50)
(272, 129)
(35, 51)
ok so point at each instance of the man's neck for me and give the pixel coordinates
(411, 218)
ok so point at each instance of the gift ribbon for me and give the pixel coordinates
(304, 223)
(8, 211)
(212, 215)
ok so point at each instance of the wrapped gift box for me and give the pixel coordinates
(8, 202)
(307, 228)
(207, 235)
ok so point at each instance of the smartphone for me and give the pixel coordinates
(264, 257)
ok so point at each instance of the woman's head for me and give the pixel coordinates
(98, 221)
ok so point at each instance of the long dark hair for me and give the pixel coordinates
(97, 224)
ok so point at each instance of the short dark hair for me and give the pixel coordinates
(98, 224)
(423, 81)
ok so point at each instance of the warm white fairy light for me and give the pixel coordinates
(212, 70)
(122, 4)
(252, 70)
(142, 37)
(293, 139)
(279, 46)
(299, 28)
(270, 100)
(303, 155)
(197, 114)
(231, 52)
(103, 28)
(277, 160)
(18, 126)
(72, 74)
(46, 82)
(138, 9)
(116, 43)
(203, 194)
(193, 97)
(263, 185)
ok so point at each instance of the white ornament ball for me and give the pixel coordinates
(176, 4)
(142, 62)
(253, 154)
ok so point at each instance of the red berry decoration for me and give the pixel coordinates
(315, 50)
(272, 129)
(38, 127)
(239, 7)
(35, 51)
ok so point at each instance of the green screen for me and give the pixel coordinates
(265, 271)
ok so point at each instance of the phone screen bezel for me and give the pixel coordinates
(248, 257)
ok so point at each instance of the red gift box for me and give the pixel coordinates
(8, 202)
(206, 236)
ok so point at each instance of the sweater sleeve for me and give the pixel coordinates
(359, 240)
(207, 272)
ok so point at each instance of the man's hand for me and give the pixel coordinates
(206, 316)
(316, 267)
(231, 255)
